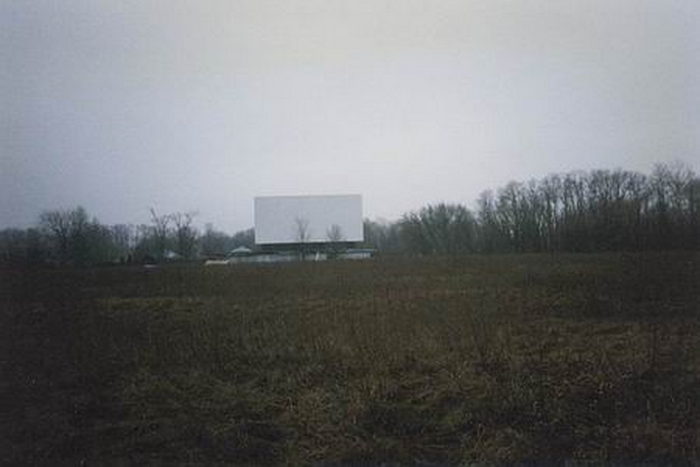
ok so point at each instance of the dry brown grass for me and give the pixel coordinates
(448, 360)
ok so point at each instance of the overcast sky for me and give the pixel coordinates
(124, 105)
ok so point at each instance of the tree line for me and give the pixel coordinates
(593, 211)
(72, 237)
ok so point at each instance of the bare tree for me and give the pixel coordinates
(301, 229)
(68, 228)
(161, 229)
(214, 244)
(58, 226)
(185, 234)
(302, 234)
(335, 237)
(382, 235)
(123, 239)
(441, 229)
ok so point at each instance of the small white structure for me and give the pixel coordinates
(171, 255)
(240, 251)
(262, 258)
(356, 253)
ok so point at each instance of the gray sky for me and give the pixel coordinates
(202, 105)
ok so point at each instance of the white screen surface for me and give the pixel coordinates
(278, 218)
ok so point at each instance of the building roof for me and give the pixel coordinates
(240, 251)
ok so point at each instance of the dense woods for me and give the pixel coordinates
(595, 211)
(592, 211)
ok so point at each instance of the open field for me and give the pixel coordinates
(449, 360)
